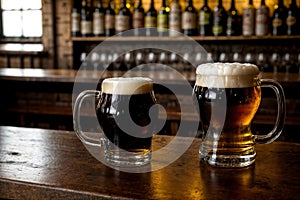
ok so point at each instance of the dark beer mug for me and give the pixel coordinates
(228, 96)
(127, 115)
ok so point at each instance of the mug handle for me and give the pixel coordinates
(76, 116)
(281, 112)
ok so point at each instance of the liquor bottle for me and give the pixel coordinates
(189, 20)
(233, 21)
(75, 18)
(110, 19)
(279, 19)
(292, 20)
(219, 20)
(138, 19)
(205, 20)
(249, 19)
(175, 18)
(151, 20)
(262, 19)
(123, 18)
(86, 19)
(98, 19)
(163, 19)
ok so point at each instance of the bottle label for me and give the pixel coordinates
(261, 21)
(138, 20)
(188, 20)
(277, 22)
(248, 22)
(109, 21)
(162, 22)
(204, 18)
(230, 26)
(291, 20)
(175, 19)
(217, 29)
(98, 23)
(150, 22)
(86, 27)
(122, 23)
(75, 22)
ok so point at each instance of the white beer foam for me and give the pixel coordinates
(127, 86)
(226, 75)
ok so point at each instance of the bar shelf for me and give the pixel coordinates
(196, 38)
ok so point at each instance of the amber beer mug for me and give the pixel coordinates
(127, 115)
(228, 95)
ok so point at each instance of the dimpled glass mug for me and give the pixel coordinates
(126, 113)
(228, 95)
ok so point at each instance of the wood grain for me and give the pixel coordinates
(50, 164)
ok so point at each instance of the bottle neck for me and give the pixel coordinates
(123, 4)
(99, 4)
(220, 4)
(250, 2)
(152, 4)
(76, 4)
(140, 3)
(294, 3)
(262, 3)
(89, 4)
(205, 3)
(83, 3)
(190, 4)
(232, 4)
(280, 3)
(109, 5)
(163, 4)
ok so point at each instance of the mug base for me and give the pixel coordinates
(128, 159)
(228, 161)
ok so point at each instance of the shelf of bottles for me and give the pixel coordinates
(269, 40)
(91, 18)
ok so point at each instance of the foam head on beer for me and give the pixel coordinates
(226, 75)
(127, 85)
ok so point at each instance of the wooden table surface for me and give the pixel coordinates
(52, 164)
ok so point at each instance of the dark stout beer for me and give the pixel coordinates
(109, 116)
(121, 99)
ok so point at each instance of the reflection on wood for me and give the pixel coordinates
(47, 164)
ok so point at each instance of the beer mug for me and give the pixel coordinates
(228, 95)
(126, 113)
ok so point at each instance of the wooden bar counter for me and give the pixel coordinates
(43, 98)
(52, 164)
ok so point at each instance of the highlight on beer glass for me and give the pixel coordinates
(126, 111)
(229, 95)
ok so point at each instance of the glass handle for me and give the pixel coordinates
(76, 116)
(281, 112)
